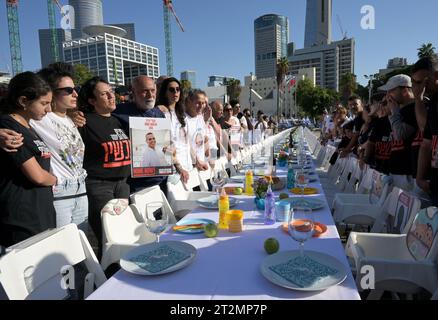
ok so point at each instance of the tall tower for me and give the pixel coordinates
(14, 36)
(271, 36)
(318, 23)
(87, 12)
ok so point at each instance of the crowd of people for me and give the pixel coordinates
(66, 151)
(396, 133)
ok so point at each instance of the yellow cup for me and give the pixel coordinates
(234, 219)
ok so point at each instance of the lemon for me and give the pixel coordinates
(238, 191)
(284, 196)
(272, 245)
(210, 230)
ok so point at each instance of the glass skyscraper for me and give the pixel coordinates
(271, 36)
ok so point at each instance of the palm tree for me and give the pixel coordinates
(282, 69)
(233, 88)
(426, 50)
(348, 86)
(186, 86)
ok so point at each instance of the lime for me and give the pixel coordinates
(238, 191)
(272, 245)
(284, 196)
(210, 230)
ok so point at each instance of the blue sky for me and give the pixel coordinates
(219, 34)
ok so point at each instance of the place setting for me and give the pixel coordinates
(303, 270)
(159, 257)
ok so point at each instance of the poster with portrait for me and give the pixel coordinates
(151, 147)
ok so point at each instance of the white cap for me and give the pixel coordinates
(400, 80)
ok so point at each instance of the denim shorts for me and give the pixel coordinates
(71, 204)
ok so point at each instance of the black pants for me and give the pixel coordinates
(10, 235)
(99, 192)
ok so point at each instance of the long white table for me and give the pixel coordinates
(228, 267)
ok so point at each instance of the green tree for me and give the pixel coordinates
(426, 50)
(233, 89)
(348, 86)
(313, 100)
(81, 74)
(282, 69)
(186, 86)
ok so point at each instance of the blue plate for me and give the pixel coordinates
(185, 222)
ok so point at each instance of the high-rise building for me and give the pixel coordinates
(318, 23)
(217, 81)
(129, 28)
(45, 37)
(190, 76)
(271, 36)
(87, 13)
(331, 62)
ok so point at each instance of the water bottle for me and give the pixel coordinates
(290, 177)
(269, 207)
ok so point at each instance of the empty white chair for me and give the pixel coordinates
(204, 176)
(362, 209)
(402, 263)
(182, 198)
(121, 231)
(33, 269)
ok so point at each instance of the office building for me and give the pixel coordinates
(112, 57)
(189, 76)
(330, 61)
(318, 23)
(271, 36)
(217, 81)
(393, 64)
(45, 38)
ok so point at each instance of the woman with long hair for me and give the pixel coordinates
(26, 198)
(107, 151)
(170, 103)
(66, 146)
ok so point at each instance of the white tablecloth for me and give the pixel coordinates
(228, 267)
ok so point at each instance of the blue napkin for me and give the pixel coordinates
(159, 259)
(303, 272)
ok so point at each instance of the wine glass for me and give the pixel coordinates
(301, 180)
(156, 218)
(218, 179)
(300, 224)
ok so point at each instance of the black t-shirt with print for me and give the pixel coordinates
(401, 162)
(22, 203)
(431, 133)
(107, 148)
(380, 135)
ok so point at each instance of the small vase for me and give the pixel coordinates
(260, 203)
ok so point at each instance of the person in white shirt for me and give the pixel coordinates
(62, 137)
(194, 105)
(153, 156)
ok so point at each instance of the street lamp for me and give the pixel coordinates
(370, 77)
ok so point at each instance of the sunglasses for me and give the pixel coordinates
(68, 90)
(174, 89)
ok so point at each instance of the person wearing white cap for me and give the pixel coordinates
(404, 126)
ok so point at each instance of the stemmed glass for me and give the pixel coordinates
(300, 224)
(218, 179)
(156, 218)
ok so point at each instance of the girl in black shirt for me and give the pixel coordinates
(26, 198)
(107, 156)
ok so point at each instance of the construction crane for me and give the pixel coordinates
(167, 10)
(14, 36)
(54, 44)
(344, 34)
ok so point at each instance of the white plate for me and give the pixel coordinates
(181, 247)
(322, 258)
(211, 202)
